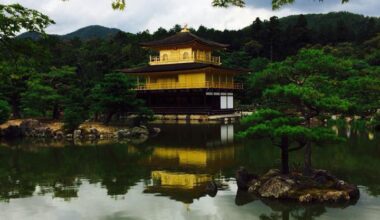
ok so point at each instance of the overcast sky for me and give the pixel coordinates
(141, 15)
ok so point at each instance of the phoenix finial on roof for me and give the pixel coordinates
(185, 28)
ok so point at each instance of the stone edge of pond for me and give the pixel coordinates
(87, 132)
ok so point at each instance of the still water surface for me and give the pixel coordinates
(166, 178)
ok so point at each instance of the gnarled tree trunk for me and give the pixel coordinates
(307, 169)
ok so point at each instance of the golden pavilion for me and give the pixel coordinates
(185, 77)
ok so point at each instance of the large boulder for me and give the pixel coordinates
(139, 140)
(28, 126)
(122, 133)
(154, 131)
(324, 177)
(212, 188)
(59, 135)
(41, 132)
(321, 186)
(11, 132)
(276, 187)
(352, 190)
(94, 132)
(34, 128)
(244, 178)
(139, 131)
(78, 134)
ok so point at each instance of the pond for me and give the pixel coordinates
(166, 177)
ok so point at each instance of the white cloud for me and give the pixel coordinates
(141, 15)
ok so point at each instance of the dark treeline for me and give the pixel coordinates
(55, 76)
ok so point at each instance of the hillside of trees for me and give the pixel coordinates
(85, 33)
(46, 76)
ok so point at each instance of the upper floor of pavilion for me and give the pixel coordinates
(184, 47)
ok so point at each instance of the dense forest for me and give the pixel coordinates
(72, 75)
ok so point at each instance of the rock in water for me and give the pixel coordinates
(243, 178)
(28, 126)
(77, 134)
(320, 187)
(59, 135)
(138, 131)
(94, 132)
(123, 133)
(11, 132)
(154, 131)
(276, 187)
(212, 188)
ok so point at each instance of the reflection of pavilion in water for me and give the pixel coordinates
(195, 150)
(201, 146)
(183, 169)
(196, 135)
(184, 157)
(178, 186)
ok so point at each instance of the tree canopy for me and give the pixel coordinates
(15, 17)
(5, 111)
(296, 95)
(115, 95)
(276, 4)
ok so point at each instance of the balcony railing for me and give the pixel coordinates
(157, 60)
(178, 85)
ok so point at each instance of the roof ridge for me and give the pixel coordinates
(183, 38)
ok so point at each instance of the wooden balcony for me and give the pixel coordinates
(157, 60)
(177, 85)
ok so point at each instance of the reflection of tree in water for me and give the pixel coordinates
(284, 210)
(296, 212)
(59, 170)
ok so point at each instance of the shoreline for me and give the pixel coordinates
(19, 129)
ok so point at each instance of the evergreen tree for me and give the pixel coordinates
(46, 93)
(114, 95)
(298, 90)
(5, 111)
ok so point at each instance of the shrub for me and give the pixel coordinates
(5, 111)
(73, 117)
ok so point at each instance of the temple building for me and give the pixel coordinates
(185, 77)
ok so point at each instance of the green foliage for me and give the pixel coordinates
(364, 91)
(118, 4)
(73, 117)
(258, 64)
(227, 3)
(312, 85)
(38, 99)
(276, 4)
(273, 124)
(47, 92)
(14, 18)
(13, 81)
(237, 59)
(75, 109)
(301, 97)
(374, 58)
(114, 95)
(375, 122)
(92, 32)
(5, 111)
